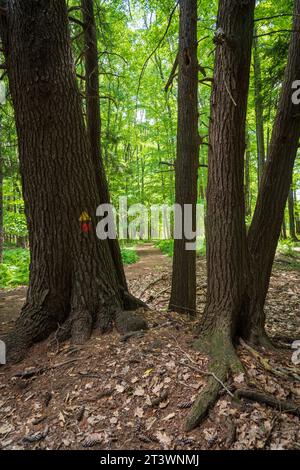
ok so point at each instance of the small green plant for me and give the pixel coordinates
(167, 247)
(14, 271)
(291, 255)
(129, 255)
(286, 248)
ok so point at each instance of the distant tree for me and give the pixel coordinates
(259, 109)
(1, 195)
(93, 119)
(292, 224)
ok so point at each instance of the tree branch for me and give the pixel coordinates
(76, 21)
(157, 47)
(173, 73)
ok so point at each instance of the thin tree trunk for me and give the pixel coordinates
(225, 221)
(93, 119)
(275, 185)
(1, 196)
(283, 229)
(183, 294)
(258, 111)
(247, 179)
(297, 213)
(291, 207)
(73, 281)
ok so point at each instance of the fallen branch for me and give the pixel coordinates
(28, 374)
(151, 284)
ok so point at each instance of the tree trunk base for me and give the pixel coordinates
(35, 325)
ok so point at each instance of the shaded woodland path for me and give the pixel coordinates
(150, 260)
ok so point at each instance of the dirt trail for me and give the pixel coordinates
(151, 259)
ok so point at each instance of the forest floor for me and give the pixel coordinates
(136, 394)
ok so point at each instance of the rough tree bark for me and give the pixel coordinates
(225, 222)
(259, 110)
(183, 294)
(73, 281)
(276, 181)
(93, 120)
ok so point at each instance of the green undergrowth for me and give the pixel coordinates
(288, 255)
(14, 271)
(167, 247)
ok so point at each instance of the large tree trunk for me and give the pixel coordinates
(183, 294)
(225, 222)
(291, 207)
(93, 120)
(276, 181)
(73, 281)
(259, 115)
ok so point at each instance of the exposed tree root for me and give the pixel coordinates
(281, 372)
(281, 405)
(223, 361)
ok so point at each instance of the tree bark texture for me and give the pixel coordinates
(183, 294)
(226, 231)
(259, 110)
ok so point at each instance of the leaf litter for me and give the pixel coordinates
(110, 394)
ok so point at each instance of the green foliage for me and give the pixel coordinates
(287, 248)
(166, 247)
(14, 271)
(129, 255)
